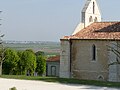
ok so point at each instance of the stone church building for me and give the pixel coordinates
(89, 53)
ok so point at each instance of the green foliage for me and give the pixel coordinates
(39, 53)
(2, 57)
(41, 64)
(28, 62)
(24, 62)
(10, 63)
(13, 88)
(19, 64)
(2, 54)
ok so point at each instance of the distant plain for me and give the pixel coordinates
(49, 48)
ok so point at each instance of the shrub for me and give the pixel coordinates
(13, 88)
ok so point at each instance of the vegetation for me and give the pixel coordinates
(23, 62)
(10, 63)
(2, 57)
(13, 88)
(65, 80)
(49, 48)
(28, 62)
(41, 62)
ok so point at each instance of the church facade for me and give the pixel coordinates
(89, 52)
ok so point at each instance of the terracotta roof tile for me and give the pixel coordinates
(98, 30)
(53, 59)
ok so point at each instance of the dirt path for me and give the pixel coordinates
(5, 84)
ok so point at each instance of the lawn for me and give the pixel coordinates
(64, 80)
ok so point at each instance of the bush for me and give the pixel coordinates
(13, 88)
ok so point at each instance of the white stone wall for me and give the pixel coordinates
(89, 13)
(78, 28)
(86, 13)
(65, 59)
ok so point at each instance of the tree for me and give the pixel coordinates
(2, 57)
(2, 50)
(40, 53)
(41, 62)
(115, 48)
(10, 63)
(19, 64)
(28, 61)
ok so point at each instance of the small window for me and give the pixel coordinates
(93, 52)
(90, 19)
(95, 20)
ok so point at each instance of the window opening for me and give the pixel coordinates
(94, 52)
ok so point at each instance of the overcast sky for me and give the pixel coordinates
(47, 20)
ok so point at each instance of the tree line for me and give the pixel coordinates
(25, 62)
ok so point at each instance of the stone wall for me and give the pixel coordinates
(83, 67)
(65, 59)
(49, 71)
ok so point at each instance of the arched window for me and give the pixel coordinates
(93, 7)
(90, 19)
(93, 52)
(95, 20)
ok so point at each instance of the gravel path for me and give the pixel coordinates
(5, 84)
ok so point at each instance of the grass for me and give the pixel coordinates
(64, 80)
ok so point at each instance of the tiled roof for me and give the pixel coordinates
(54, 59)
(98, 30)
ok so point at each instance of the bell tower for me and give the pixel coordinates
(90, 14)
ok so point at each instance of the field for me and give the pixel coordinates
(50, 48)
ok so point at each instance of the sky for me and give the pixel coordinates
(47, 20)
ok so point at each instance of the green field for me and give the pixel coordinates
(50, 48)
